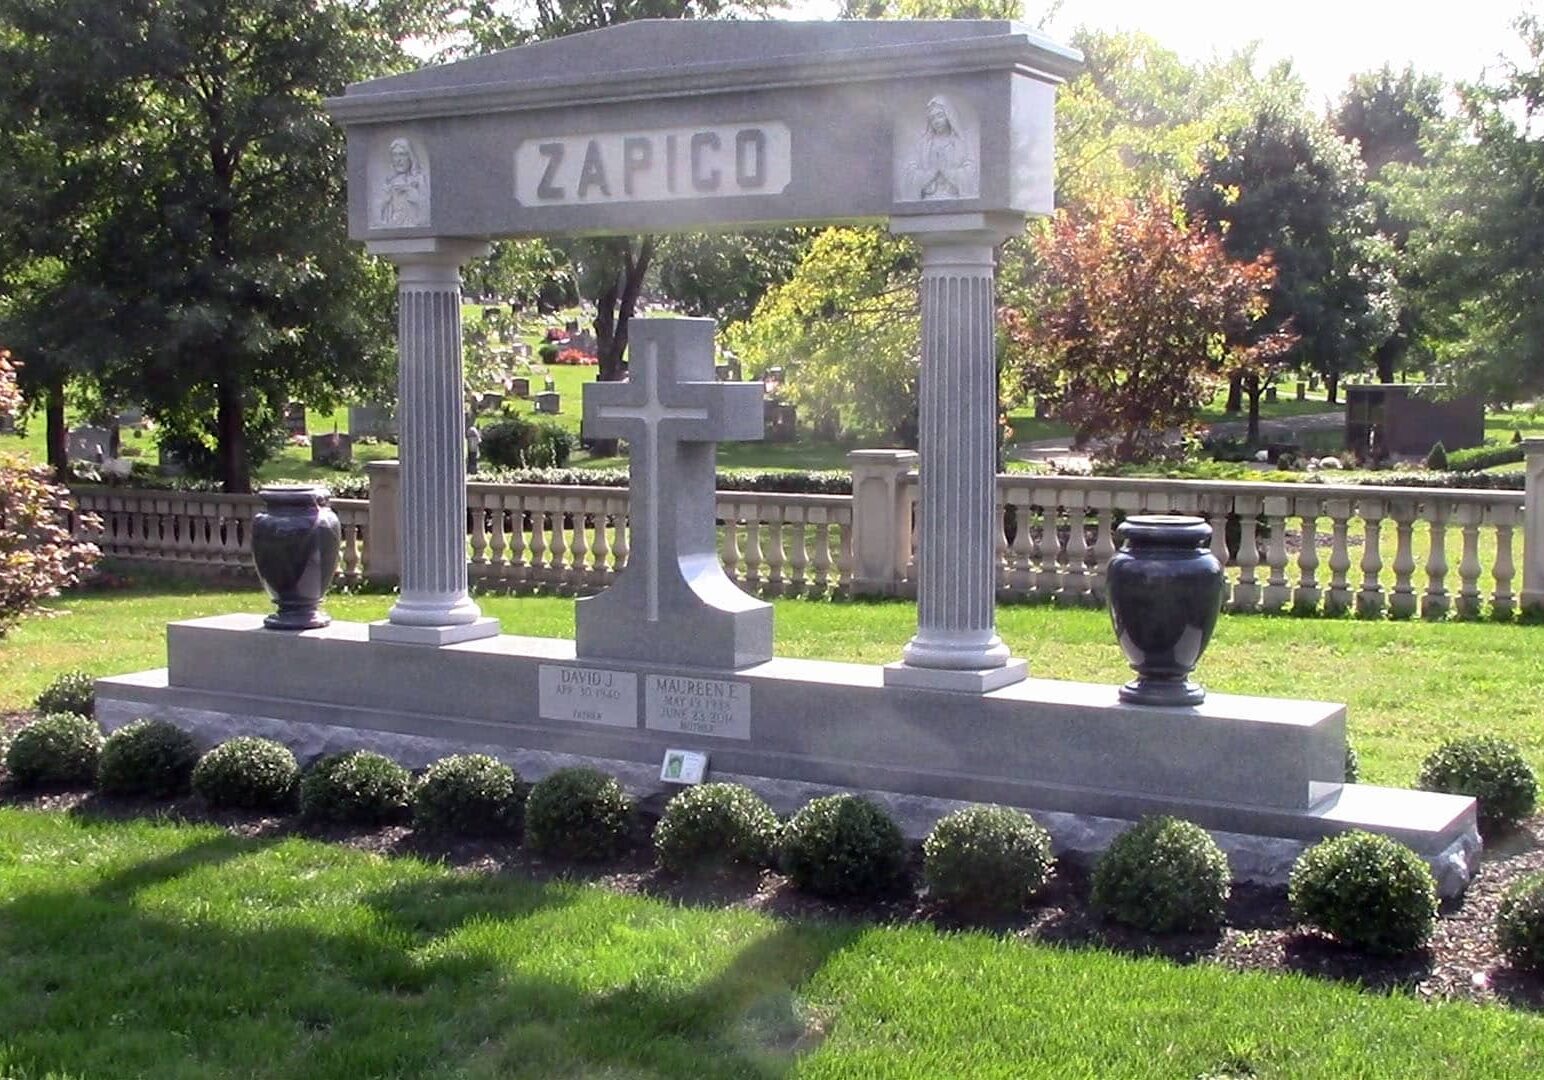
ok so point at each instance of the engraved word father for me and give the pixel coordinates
(652, 166)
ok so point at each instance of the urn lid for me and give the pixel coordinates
(1165, 530)
(294, 494)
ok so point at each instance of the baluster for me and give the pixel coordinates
(538, 541)
(1048, 548)
(1469, 601)
(1002, 567)
(1022, 550)
(350, 550)
(1104, 544)
(1434, 605)
(498, 545)
(1502, 601)
(519, 557)
(1246, 594)
(729, 541)
(775, 554)
(821, 520)
(1338, 599)
(1305, 597)
(478, 511)
(843, 567)
(601, 551)
(802, 518)
(753, 556)
(1369, 600)
(580, 574)
(557, 544)
(1074, 582)
(1402, 600)
(1276, 593)
(622, 548)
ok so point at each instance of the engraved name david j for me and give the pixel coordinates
(644, 166)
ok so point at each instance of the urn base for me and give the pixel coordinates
(1163, 692)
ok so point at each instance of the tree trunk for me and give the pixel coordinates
(56, 433)
(1332, 385)
(1235, 392)
(230, 431)
(613, 311)
(1254, 386)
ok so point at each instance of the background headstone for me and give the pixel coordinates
(520, 386)
(548, 401)
(295, 418)
(93, 444)
(371, 422)
(334, 449)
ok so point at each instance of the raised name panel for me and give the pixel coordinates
(692, 706)
(587, 695)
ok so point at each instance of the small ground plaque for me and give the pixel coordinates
(588, 695)
(698, 706)
(683, 767)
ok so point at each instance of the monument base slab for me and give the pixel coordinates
(1269, 769)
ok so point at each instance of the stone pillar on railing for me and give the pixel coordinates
(1533, 528)
(956, 644)
(383, 553)
(881, 531)
(434, 606)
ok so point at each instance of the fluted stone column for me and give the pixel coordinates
(956, 646)
(434, 607)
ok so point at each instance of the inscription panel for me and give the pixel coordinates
(690, 706)
(587, 695)
(654, 166)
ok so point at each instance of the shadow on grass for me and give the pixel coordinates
(125, 978)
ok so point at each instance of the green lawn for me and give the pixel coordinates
(1409, 685)
(145, 949)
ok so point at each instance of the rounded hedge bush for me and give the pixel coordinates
(72, 692)
(247, 773)
(359, 787)
(55, 751)
(147, 757)
(1162, 875)
(468, 795)
(713, 825)
(1353, 764)
(578, 813)
(843, 845)
(1368, 891)
(1520, 923)
(1490, 769)
(991, 858)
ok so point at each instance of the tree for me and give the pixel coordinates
(845, 330)
(724, 275)
(38, 553)
(1135, 318)
(1476, 247)
(1282, 181)
(218, 261)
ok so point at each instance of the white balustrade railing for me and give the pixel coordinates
(1375, 551)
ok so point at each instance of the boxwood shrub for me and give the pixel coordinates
(1520, 923)
(468, 795)
(151, 758)
(72, 692)
(1490, 769)
(247, 773)
(715, 825)
(517, 443)
(359, 787)
(1370, 892)
(1162, 875)
(991, 858)
(58, 750)
(843, 845)
(578, 813)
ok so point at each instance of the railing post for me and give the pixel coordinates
(383, 550)
(881, 533)
(1533, 527)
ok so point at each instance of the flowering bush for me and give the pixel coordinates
(575, 358)
(555, 333)
(38, 553)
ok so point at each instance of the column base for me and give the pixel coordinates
(400, 634)
(956, 680)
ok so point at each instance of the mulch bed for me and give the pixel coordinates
(1462, 961)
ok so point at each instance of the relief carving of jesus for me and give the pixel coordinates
(944, 166)
(403, 201)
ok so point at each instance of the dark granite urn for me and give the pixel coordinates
(295, 541)
(1165, 588)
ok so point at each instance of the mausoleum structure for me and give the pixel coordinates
(942, 130)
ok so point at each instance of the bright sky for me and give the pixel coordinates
(1327, 40)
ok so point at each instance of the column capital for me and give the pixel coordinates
(429, 258)
(939, 231)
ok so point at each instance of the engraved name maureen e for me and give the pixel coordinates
(651, 166)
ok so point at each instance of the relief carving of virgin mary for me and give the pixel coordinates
(403, 199)
(944, 165)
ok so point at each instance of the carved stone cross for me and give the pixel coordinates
(673, 603)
